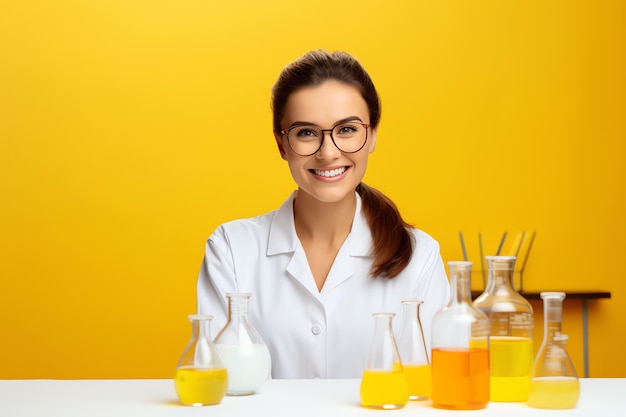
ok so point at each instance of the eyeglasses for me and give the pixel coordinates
(306, 140)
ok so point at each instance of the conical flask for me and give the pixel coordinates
(413, 353)
(460, 348)
(384, 384)
(554, 383)
(242, 349)
(511, 339)
(200, 378)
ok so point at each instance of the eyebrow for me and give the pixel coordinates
(338, 122)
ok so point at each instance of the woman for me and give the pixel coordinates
(337, 250)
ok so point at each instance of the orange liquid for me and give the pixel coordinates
(384, 389)
(460, 378)
(200, 386)
(418, 377)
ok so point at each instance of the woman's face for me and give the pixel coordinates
(329, 175)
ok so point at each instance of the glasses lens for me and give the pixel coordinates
(305, 140)
(350, 136)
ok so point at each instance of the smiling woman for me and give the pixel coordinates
(334, 239)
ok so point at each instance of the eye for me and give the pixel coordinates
(347, 129)
(305, 132)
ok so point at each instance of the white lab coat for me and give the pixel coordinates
(311, 333)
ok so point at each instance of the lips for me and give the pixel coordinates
(330, 172)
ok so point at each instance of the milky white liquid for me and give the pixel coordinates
(248, 367)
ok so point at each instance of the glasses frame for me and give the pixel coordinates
(330, 131)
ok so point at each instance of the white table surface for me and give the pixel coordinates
(277, 398)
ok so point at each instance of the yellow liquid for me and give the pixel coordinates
(201, 386)
(419, 379)
(384, 389)
(554, 392)
(510, 363)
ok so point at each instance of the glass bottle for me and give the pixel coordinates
(554, 383)
(511, 352)
(242, 349)
(460, 348)
(413, 354)
(201, 378)
(384, 384)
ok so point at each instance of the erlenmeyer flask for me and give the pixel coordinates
(554, 383)
(242, 349)
(511, 339)
(384, 384)
(413, 354)
(460, 348)
(200, 378)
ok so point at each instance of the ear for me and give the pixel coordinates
(279, 142)
(371, 140)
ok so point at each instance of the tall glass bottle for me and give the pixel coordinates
(554, 383)
(201, 378)
(460, 348)
(384, 384)
(511, 340)
(242, 349)
(412, 348)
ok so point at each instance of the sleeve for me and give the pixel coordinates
(216, 278)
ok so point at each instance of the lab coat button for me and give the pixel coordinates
(316, 329)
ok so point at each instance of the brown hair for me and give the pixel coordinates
(392, 239)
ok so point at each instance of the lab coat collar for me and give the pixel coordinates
(283, 238)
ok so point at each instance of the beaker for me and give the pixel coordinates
(554, 383)
(413, 352)
(511, 352)
(384, 384)
(242, 349)
(201, 378)
(460, 348)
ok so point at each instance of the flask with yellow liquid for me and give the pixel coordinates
(413, 352)
(384, 385)
(554, 383)
(511, 338)
(200, 377)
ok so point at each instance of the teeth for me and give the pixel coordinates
(330, 173)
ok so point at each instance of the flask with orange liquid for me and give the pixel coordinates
(554, 384)
(460, 348)
(511, 338)
(200, 377)
(384, 385)
(412, 348)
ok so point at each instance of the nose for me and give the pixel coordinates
(328, 150)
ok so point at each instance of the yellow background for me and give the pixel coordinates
(130, 129)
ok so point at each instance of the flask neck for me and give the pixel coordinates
(552, 315)
(460, 284)
(500, 275)
(200, 327)
(238, 306)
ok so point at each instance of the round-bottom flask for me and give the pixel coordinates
(384, 385)
(242, 349)
(200, 377)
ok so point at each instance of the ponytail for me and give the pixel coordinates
(392, 240)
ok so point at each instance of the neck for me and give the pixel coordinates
(320, 221)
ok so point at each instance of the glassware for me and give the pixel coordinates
(412, 349)
(384, 384)
(200, 377)
(242, 349)
(511, 353)
(554, 383)
(460, 348)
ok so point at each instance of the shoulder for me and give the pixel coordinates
(244, 228)
(424, 241)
